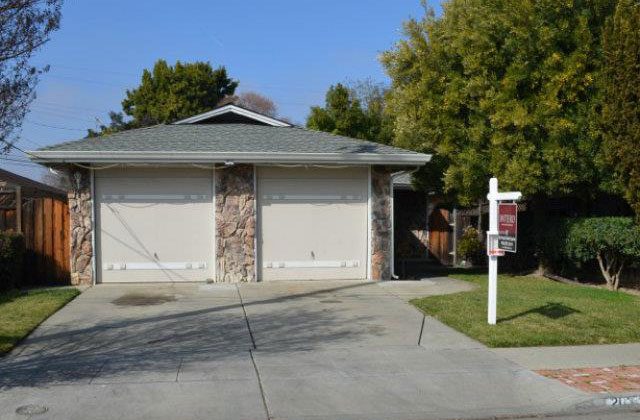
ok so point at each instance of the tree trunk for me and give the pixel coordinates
(611, 269)
(480, 219)
(604, 269)
(616, 281)
(539, 205)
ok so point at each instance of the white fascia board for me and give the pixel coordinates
(53, 156)
(233, 110)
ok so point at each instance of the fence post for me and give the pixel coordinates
(18, 190)
(454, 227)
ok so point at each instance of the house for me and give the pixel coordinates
(39, 212)
(15, 190)
(229, 195)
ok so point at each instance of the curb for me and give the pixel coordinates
(610, 403)
(605, 404)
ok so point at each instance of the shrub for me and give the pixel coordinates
(613, 242)
(469, 246)
(11, 260)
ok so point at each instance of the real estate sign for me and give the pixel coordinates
(507, 226)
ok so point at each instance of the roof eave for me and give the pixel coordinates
(52, 156)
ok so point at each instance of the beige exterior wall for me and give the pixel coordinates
(155, 224)
(312, 223)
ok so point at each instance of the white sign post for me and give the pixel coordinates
(493, 250)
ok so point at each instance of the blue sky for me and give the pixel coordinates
(289, 50)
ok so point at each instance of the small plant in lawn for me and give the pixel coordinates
(469, 246)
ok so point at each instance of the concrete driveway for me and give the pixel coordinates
(287, 350)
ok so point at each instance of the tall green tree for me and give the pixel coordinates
(168, 93)
(356, 111)
(497, 87)
(621, 99)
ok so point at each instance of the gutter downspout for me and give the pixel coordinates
(393, 220)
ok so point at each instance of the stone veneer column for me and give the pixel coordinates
(235, 224)
(81, 227)
(380, 223)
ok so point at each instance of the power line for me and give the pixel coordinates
(19, 162)
(15, 159)
(53, 66)
(11, 145)
(29, 141)
(76, 79)
(54, 126)
(59, 105)
(52, 113)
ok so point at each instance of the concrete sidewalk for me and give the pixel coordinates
(567, 357)
(289, 350)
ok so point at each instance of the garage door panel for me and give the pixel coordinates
(312, 227)
(156, 228)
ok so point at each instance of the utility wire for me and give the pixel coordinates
(54, 126)
(58, 114)
(59, 105)
(11, 145)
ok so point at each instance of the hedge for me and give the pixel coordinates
(11, 260)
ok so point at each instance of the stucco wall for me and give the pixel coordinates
(380, 223)
(81, 228)
(235, 224)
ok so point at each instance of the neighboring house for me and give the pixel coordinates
(15, 191)
(39, 212)
(230, 195)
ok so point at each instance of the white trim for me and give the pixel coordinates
(94, 228)
(53, 156)
(392, 256)
(312, 197)
(256, 230)
(234, 109)
(311, 264)
(154, 196)
(214, 270)
(156, 265)
(369, 226)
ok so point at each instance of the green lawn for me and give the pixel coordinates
(22, 311)
(534, 311)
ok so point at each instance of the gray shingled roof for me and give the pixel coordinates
(250, 138)
(240, 141)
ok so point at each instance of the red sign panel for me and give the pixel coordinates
(507, 226)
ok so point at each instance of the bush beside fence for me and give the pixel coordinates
(12, 252)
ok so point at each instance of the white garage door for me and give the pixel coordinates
(154, 225)
(313, 223)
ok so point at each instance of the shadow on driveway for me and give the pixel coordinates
(163, 337)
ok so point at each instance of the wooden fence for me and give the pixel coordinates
(440, 232)
(45, 226)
